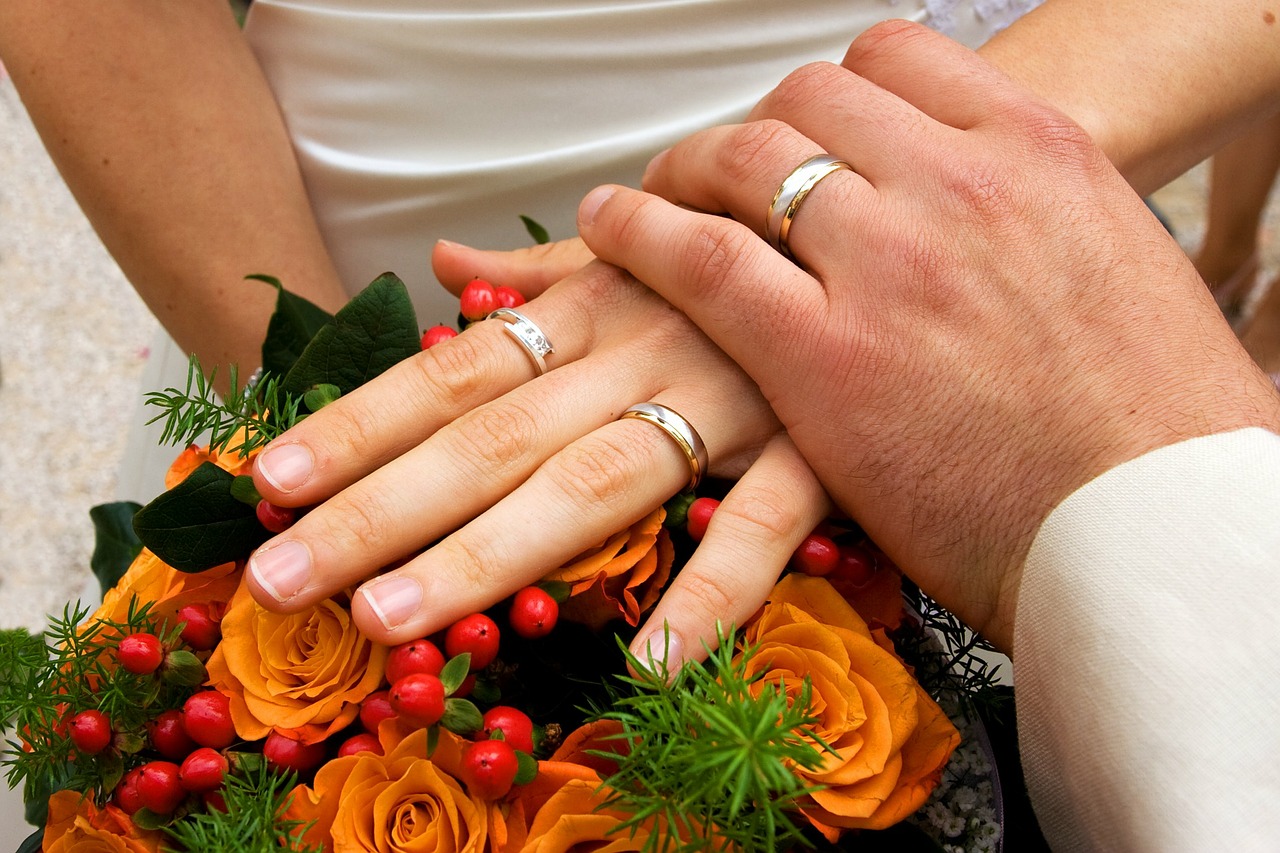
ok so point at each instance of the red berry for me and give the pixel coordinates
(436, 335)
(478, 300)
(533, 613)
(699, 515)
(159, 787)
(207, 719)
(90, 731)
(419, 699)
(356, 744)
(202, 628)
(855, 566)
(126, 793)
(464, 689)
(489, 768)
(414, 656)
(277, 519)
(375, 708)
(477, 634)
(284, 753)
(817, 556)
(508, 297)
(140, 653)
(203, 770)
(169, 735)
(215, 802)
(516, 727)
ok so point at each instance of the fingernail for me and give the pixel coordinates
(660, 653)
(448, 244)
(282, 570)
(591, 204)
(654, 165)
(287, 467)
(394, 600)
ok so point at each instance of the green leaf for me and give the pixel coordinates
(461, 717)
(559, 590)
(293, 324)
(455, 672)
(320, 396)
(184, 669)
(433, 740)
(527, 768)
(536, 231)
(147, 819)
(243, 490)
(197, 524)
(115, 545)
(33, 843)
(374, 331)
(487, 691)
(678, 510)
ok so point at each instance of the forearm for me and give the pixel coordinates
(1159, 86)
(162, 125)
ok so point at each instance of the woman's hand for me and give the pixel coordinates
(504, 477)
(983, 316)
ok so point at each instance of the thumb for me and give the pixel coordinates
(529, 270)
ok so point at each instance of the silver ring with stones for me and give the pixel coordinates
(528, 335)
(786, 201)
(681, 432)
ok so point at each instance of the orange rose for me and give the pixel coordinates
(575, 815)
(892, 740)
(307, 672)
(150, 579)
(400, 801)
(193, 457)
(76, 825)
(623, 577)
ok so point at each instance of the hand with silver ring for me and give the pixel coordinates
(474, 478)
(967, 340)
(791, 194)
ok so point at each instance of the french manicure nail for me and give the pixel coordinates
(282, 570)
(394, 600)
(591, 204)
(286, 466)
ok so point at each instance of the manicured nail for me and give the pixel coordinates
(282, 570)
(591, 204)
(287, 467)
(394, 600)
(660, 652)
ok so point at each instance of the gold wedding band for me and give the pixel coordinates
(791, 193)
(681, 432)
(527, 334)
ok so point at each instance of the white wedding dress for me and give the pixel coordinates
(416, 120)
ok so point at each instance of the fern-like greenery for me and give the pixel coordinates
(711, 748)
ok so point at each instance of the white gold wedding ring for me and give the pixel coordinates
(528, 335)
(790, 195)
(681, 432)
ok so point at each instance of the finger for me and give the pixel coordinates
(749, 299)
(381, 420)
(941, 77)
(738, 169)
(529, 270)
(750, 538)
(612, 477)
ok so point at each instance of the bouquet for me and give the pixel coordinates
(179, 715)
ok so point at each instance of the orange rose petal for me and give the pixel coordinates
(924, 756)
(852, 806)
(572, 817)
(76, 825)
(816, 597)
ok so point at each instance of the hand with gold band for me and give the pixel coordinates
(962, 339)
(474, 473)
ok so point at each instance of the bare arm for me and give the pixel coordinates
(162, 124)
(1159, 86)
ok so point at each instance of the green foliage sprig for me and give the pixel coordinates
(263, 412)
(950, 658)
(256, 799)
(44, 680)
(711, 747)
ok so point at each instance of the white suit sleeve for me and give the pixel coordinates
(1145, 654)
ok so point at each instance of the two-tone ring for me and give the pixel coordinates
(681, 432)
(526, 333)
(791, 194)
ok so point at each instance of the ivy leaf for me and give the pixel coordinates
(293, 324)
(461, 717)
(115, 545)
(536, 231)
(199, 524)
(374, 331)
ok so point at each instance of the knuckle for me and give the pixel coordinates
(881, 42)
(495, 437)
(454, 374)
(761, 514)
(801, 86)
(602, 468)
(715, 256)
(481, 562)
(715, 594)
(739, 159)
(350, 523)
